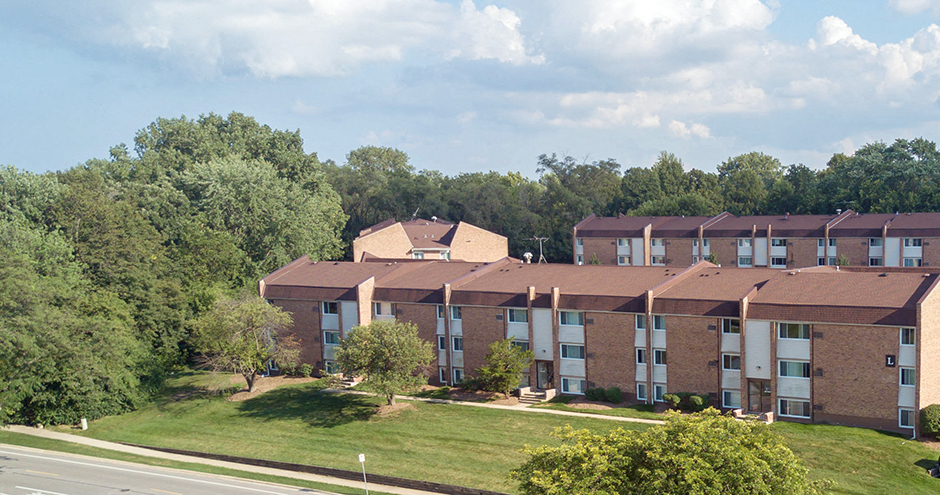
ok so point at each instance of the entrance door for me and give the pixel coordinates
(759, 396)
(544, 374)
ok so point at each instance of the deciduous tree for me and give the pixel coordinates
(505, 363)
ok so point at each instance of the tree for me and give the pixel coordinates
(505, 363)
(240, 335)
(389, 354)
(701, 453)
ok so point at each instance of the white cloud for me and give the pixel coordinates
(831, 30)
(915, 6)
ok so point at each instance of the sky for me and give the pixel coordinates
(475, 85)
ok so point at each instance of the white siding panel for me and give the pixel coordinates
(731, 380)
(760, 251)
(793, 349)
(641, 372)
(329, 322)
(757, 349)
(573, 334)
(640, 340)
(907, 356)
(519, 331)
(456, 327)
(329, 352)
(893, 251)
(798, 388)
(659, 374)
(731, 342)
(350, 311)
(659, 339)
(572, 367)
(906, 396)
(542, 334)
(637, 246)
(458, 359)
(440, 326)
(441, 356)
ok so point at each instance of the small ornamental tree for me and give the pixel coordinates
(240, 335)
(389, 354)
(505, 363)
(700, 453)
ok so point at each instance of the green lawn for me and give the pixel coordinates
(455, 444)
(560, 403)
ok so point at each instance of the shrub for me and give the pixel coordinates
(305, 370)
(288, 369)
(472, 383)
(614, 395)
(698, 402)
(930, 420)
(595, 394)
(672, 399)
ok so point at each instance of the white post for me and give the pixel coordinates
(362, 460)
(84, 424)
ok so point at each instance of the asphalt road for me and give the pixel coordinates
(40, 472)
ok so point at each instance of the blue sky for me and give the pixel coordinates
(465, 86)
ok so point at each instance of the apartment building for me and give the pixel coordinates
(786, 241)
(428, 239)
(852, 346)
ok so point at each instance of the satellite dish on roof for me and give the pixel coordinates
(528, 257)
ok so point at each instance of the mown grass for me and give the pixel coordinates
(643, 411)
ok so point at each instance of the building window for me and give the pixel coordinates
(580, 259)
(876, 242)
(440, 312)
(445, 255)
(384, 309)
(624, 243)
(331, 308)
(731, 399)
(455, 312)
(573, 386)
(658, 260)
(832, 242)
(913, 242)
(876, 262)
(522, 344)
(821, 261)
(794, 408)
(331, 338)
(744, 242)
(907, 377)
(580, 242)
(442, 374)
(794, 369)
(458, 344)
(641, 391)
(798, 331)
(640, 355)
(696, 259)
(623, 260)
(832, 261)
(417, 255)
(906, 418)
(778, 262)
(695, 242)
(907, 336)
(641, 322)
(659, 357)
(912, 262)
(776, 242)
(458, 375)
(820, 243)
(571, 318)
(330, 367)
(659, 323)
(518, 316)
(730, 325)
(658, 392)
(657, 242)
(570, 351)
(731, 362)
(745, 261)
(441, 343)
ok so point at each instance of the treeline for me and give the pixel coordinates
(103, 267)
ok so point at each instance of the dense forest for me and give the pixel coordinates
(104, 266)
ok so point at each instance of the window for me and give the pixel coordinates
(455, 312)
(580, 242)
(441, 343)
(876, 262)
(445, 255)
(518, 316)
(573, 385)
(744, 242)
(641, 322)
(907, 377)
(330, 367)
(730, 325)
(657, 242)
(641, 391)
(794, 369)
(386, 309)
(571, 318)
(911, 262)
(731, 362)
(832, 261)
(907, 336)
(580, 259)
(731, 399)
(440, 312)
(331, 338)
(793, 331)
(876, 242)
(623, 260)
(775, 242)
(745, 261)
(913, 242)
(778, 261)
(458, 375)
(695, 242)
(820, 243)
(640, 355)
(458, 344)
(569, 351)
(821, 261)
(659, 322)
(659, 357)
(624, 243)
(417, 255)
(794, 408)
(696, 259)
(442, 374)
(906, 418)
(522, 344)
(331, 308)
(657, 260)
(658, 392)
(832, 242)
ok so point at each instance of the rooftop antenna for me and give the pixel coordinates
(415, 214)
(541, 257)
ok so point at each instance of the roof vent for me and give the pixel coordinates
(434, 219)
(883, 275)
(926, 275)
(786, 216)
(838, 211)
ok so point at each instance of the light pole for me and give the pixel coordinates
(362, 460)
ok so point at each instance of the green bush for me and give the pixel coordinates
(614, 395)
(472, 383)
(595, 394)
(930, 420)
(698, 402)
(305, 370)
(672, 399)
(289, 369)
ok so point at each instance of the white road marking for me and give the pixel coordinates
(115, 468)
(37, 490)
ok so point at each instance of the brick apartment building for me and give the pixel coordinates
(783, 241)
(853, 346)
(429, 239)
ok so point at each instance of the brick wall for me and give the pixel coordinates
(928, 346)
(605, 248)
(726, 249)
(471, 243)
(425, 317)
(855, 381)
(855, 248)
(931, 252)
(480, 329)
(690, 347)
(801, 253)
(678, 252)
(306, 329)
(390, 242)
(609, 347)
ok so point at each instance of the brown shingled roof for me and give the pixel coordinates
(622, 226)
(425, 234)
(305, 279)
